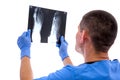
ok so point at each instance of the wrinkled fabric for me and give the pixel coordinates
(101, 70)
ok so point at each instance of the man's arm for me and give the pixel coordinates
(62, 45)
(67, 61)
(24, 43)
(25, 69)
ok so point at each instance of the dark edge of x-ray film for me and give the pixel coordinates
(52, 22)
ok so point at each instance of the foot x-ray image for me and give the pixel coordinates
(46, 25)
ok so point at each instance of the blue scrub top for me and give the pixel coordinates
(101, 70)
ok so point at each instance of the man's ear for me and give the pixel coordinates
(83, 36)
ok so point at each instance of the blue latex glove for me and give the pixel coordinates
(62, 48)
(24, 43)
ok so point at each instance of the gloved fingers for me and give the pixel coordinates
(57, 45)
(66, 42)
(28, 33)
(24, 34)
(19, 42)
(19, 39)
(63, 40)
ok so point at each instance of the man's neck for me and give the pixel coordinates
(90, 55)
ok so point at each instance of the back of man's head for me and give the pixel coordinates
(102, 28)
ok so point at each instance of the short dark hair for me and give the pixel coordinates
(102, 28)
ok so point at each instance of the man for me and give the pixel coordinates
(96, 34)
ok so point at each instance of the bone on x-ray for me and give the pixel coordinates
(46, 25)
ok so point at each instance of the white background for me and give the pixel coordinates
(45, 57)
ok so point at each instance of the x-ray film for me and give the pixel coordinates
(46, 25)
